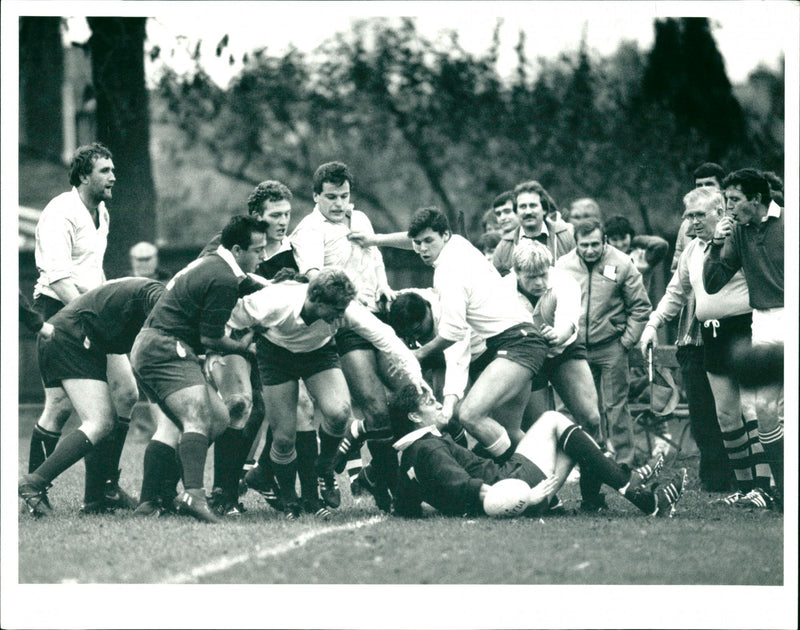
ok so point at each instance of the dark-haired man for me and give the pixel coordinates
(71, 238)
(321, 240)
(455, 481)
(475, 300)
(102, 321)
(236, 380)
(751, 239)
(189, 321)
(532, 205)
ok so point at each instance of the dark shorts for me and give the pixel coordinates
(47, 306)
(573, 352)
(520, 467)
(521, 344)
(164, 365)
(64, 357)
(347, 341)
(717, 343)
(278, 365)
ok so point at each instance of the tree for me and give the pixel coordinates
(123, 124)
(41, 73)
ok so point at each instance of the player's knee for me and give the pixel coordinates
(125, 396)
(282, 449)
(239, 408)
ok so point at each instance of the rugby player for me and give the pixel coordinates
(299, 322)
(455, 481)
(190, 321)
(475, 299)
(102, 321)
(320, 240)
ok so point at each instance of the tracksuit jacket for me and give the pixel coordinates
(614, 303)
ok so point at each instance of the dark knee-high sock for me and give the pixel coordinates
(157, 458)
(96, 463)
(773, 449)
(172, 475)
(72, 448)
(384, 463)
(43, 443)
(285, 471)
(589, 484)
(577, 444)
(230, 452)
(118, 435)
(327, 449)
(193, 450)
(307, 452)
(264, 461)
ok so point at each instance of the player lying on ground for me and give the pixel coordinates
(456, 481)
(99, 322)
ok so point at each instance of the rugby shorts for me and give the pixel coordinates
(64, 357)
(278, 365)
(164, 364)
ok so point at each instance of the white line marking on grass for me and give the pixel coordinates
(222, 564)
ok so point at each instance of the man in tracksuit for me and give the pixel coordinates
(614, 312)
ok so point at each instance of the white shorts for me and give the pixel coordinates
(768, 326)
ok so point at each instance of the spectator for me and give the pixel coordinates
(646, 251)
(487, 243)
(727, 320)
(775, 186)
(489, 222)
(504, 214)
(751, 239)
(614, 311)
(144, 262)
(584, 208)
(532, 204)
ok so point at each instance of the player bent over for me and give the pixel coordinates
(298, 322)
(188, 321)
(99, 322)
(455, 481)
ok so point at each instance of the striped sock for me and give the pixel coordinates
(737, 446)
(772, 443)
(762, 472)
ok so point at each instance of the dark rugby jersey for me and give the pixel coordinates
(198, 302)
(436, 470)
(110, 315)
(284, 259)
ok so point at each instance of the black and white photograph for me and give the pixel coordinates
(400, 314)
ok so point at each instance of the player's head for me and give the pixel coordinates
(335, 173)
(410, 410)
(83, 161)
(267, 191)
(411, 318)
(619, 233)
(245, 236)
(329, 294)
(532, 262)
(271, 201)
(708, 174)
(429, 231)
(332, 182)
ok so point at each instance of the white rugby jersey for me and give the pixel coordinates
(69, 246)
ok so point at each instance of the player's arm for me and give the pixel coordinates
(398, 240)
(722, 257)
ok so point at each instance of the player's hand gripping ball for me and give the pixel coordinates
(507, 498)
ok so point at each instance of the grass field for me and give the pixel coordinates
(701, 545)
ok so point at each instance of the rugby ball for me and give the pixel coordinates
(507, 498)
